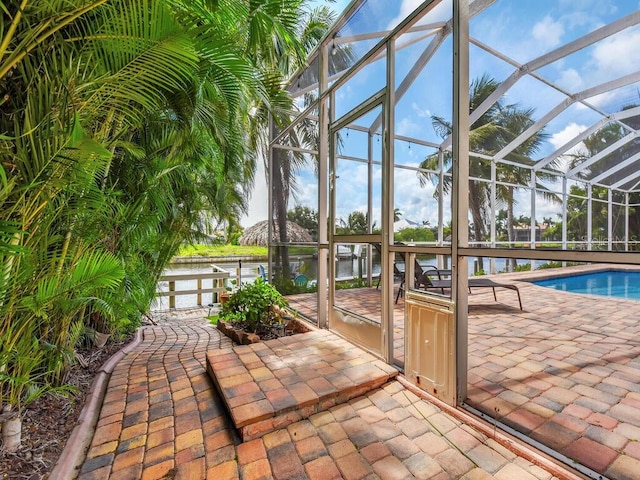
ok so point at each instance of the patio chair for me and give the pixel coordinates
(420, 276)
(301, 280)
(476, 282)
(263, 273)
(430, 270)
(397, 273)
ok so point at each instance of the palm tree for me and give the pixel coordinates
(491, 132)
(308, 29)
(123, 124)
(594, 144)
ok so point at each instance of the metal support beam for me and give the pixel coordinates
(388, 143)
(417, 68)
(589, 216)
(550, 57)
(629, 161)
(331, 224)
(626, 222)
(614, 117)
(323, 192)
(627, 180)
(609, 219)
(370, 144)
(600, 155)
(440, 188)
(460, 197)
(545, 119)
(494, 206)
(533, 214)
(564, 213)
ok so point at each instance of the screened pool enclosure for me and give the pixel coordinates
(503, 136)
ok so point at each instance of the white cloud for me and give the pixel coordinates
(422, 113)
(560, 138)
(548, 32)
(571, 80)
(307, 195)
(259, 202)
(617, 55)
(544, 207)
(563, 136)
(408, 128)
(415, 202)
(441, 12)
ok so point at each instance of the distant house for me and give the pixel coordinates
(523, 234)
(404, 223)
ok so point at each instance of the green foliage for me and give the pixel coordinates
(24, 377)
(577, 211)
(523, 268)
(223, 251)
(288, 287)
(124, 135)
(414, 234)
(347, 284)
(253, 306)
(356, 222)
(557, 265)
(306, 218)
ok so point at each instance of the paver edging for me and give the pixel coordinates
(75, 450)
(510, 443)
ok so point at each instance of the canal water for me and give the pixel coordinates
(346, 268)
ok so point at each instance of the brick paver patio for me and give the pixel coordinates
(270, 385)
(565, 371)
(162, 419)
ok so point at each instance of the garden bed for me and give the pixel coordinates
(240, 335)
(49, 421)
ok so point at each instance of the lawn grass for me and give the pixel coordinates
(222, 251)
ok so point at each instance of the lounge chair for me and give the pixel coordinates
(420, 275)
(430, 270)
(476, 282)
(397, 273)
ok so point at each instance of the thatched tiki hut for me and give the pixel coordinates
(258, 234)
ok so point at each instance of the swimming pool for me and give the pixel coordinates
(608, 283)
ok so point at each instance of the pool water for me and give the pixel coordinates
(609, 283)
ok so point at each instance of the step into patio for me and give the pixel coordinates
(267, 386)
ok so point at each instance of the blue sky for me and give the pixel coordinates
(338, 5)
(523, 30)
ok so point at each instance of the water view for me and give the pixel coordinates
(248, 271)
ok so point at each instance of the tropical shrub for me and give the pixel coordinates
(123, 132)
(254, 306)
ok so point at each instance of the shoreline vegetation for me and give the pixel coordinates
(222, 251)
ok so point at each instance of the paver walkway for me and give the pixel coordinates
(162, 418)
(564, 372)
(269, 385)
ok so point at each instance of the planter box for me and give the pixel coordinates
(290, 326)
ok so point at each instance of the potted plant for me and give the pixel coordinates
(224, 297)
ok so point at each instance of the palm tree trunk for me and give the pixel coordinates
(279, 192)
(11, 432)
(510, 228)
(475, 205)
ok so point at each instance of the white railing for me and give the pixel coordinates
(217, 276)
